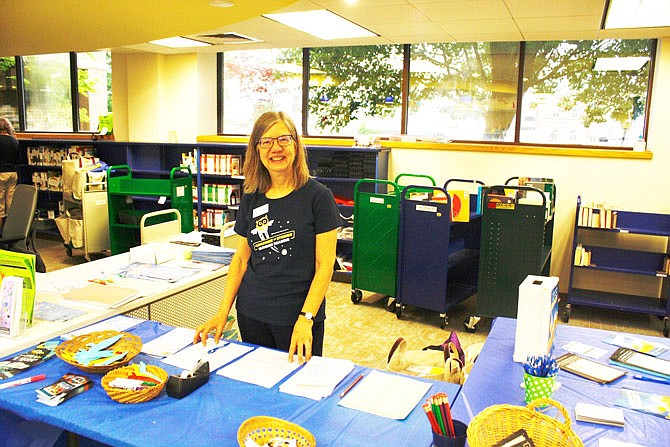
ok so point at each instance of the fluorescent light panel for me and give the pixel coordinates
(179, 42)
(321, 23)
(620, 63)
(638, 14)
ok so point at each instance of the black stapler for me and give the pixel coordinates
(189, 381)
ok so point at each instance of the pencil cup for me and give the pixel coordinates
(537, 387)
(445, 441)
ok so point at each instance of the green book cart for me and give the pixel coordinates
(517, 235)
(130, 198)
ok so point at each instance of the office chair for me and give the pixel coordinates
(18, 233)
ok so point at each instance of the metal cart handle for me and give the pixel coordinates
(399, 176)
(496, 188)
(177, 169)
(463, 180)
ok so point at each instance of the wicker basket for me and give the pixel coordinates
(126, 396)
(261, 429)
(127, 343)
(495, 423)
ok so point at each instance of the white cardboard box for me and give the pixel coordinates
(537, 317)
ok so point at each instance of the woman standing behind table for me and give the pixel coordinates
(9, 158)
(284, 263)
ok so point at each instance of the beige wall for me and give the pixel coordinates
(635, 185)
(160, 98)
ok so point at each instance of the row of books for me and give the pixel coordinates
(219, 164)
(582, 256)
(597, 216)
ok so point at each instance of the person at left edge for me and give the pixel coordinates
(284, 262)
(9, 157)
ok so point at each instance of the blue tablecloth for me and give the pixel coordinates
(212, 414)
(496, 379)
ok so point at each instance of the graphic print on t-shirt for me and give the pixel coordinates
(273, 235)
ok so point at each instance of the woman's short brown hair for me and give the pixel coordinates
(256, 176)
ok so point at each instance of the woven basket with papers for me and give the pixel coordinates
(497, 422)
(128, 396)
(128, 343)
(261, 429)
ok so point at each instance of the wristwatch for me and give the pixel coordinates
(307, 315)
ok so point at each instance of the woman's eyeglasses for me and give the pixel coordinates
(268, 142)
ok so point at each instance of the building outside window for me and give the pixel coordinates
(46, 83)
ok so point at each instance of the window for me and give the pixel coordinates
(575, 102)
(355, 90)
(259, 81)
(456, 91)
(46, 83)
(8, 98)
(94, 81)
(463, 91)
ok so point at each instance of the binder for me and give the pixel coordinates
(21, 265)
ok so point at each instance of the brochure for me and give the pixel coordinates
(641, 362)
(637, 344)
(650, 403)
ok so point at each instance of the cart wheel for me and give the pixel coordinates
(399, 308)
(666, 327)
(566, 314)
(390, 304)
(444, 321)
(68, 250)
(356, 296)
(471, 324)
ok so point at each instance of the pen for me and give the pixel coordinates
(216, 348)
(650, 379)
(353, 384)
(23, 381)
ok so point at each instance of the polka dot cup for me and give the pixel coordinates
(537, 387)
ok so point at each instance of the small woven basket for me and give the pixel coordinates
(496, 422)
(261, 429)
(127, 343)
(126, 396)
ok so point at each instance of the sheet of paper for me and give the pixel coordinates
(387, 395)
(637, 344)
(263, 366)
(584, 349)
(169, 343)
(318, 378)
(55, 312)
(217, 354)
(117, 323)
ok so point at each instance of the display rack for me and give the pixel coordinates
(517, 236)
(129, 198)
(437, 258)
(633, 247)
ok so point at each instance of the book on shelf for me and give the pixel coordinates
(582, 256)
(599, 414)
(597, 216)
(638, 361)
(11, 301)
(65, 388)
(460, 206)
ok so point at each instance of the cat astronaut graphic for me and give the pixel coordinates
(267, 238)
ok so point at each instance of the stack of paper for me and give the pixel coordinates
(599, 414)
(216, 354)
(318, 378)
(170, 342)
(387, 395)
(101, 296)
(263, 366)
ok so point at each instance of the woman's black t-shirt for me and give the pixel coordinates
(282, 236)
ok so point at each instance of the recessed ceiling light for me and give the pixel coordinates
(637, 14)
(221, 3)
(321, 23)
(620, 63)
(179, 42)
